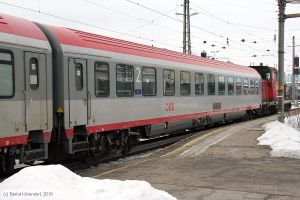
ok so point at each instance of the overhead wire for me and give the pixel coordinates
(194, 26)
(86, 24)
(122, 33)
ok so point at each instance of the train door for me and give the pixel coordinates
(35, 91)
(78, 92)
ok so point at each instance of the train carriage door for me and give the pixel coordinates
(35, 91)
(78, 92)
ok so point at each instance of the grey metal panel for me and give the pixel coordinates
(12, 118)
(13, 122)
(109, 110)
(78, 99)
(35, 99)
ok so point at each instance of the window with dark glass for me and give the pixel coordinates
(252, 87)
(125, 81)
(101, 79)
(185, 83)
(78, 76)
(211, 84)
(6, 75)
(256, 87)
(246, 86)
(221, 85)
(238, 86)
(230, 85)
(199, 84)
(149, 81)
(34, 73)
(169, 82)
(268, 76)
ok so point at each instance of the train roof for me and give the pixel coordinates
(67, 36)
(20, 27)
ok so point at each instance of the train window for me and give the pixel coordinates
(78, 76)
(169, 82)
(230, 85)
(268, 76)
(246, 86)
(149, 81)
(199, 84)
(34, 73)
(256, 86)
(125, 84)
(101, 79)
(211, 84)
(252, 87)
(221, 85)
(185, 83)
(238, 86)
(6, 75)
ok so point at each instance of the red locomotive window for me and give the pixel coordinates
(34, 73)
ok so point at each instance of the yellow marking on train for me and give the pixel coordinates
(280, 87)
(189, 144)
(59, 110)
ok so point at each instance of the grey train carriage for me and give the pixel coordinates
(95, 94)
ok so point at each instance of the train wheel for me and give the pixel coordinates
(147, 130)
(102, 145)
(127, 145)
(9, 163)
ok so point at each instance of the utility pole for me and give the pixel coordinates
(281, 20)
(184, 24)
(188, 26)
(293, 72)
(187, 44)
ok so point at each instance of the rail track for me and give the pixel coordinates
(79, 163)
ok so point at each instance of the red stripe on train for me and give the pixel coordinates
(124, 125)
(21, 139)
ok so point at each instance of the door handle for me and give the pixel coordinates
(30, 100)
(85, 101)
(89, 105)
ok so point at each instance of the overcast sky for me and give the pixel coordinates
(154, 22)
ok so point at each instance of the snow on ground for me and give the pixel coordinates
(282, 138)
(55, 182)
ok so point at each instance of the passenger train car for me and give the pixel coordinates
(66, 92)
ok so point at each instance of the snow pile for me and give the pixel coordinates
(55, 182)
(293, 121)
(282, 138)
